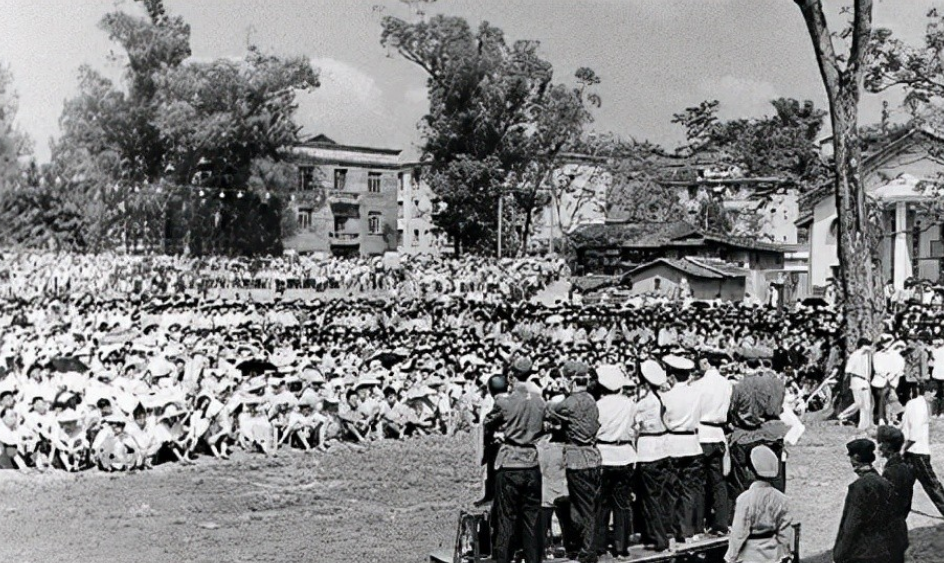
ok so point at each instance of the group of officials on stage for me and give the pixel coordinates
(677, 449)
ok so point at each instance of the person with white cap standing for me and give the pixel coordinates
(682, 416)
(712, 505)
(762, 529)
(616, 442)
(653, 465)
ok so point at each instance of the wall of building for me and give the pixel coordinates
(769, 217)
(824, 250)
(416, 232)
(580, 200)
(328, 231)
(728, 289)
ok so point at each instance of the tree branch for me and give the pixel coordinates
(861, 34)
(812, 11)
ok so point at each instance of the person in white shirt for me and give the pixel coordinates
(653, 465)
(888, 366)
(937, 377)
(616, 442)
(916, 426)
(682, 416)
(859, 372)
(712, 506)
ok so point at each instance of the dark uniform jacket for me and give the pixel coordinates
(902, 477)
(580, 418)
(864, 531)
(520, 416)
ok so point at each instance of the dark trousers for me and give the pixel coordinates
(742, 473)
(616, 499)
(583, 487)
(517, 513)
(651, 480)
(686, 479)
(712, 507)
(937, 407)
(879, 403)
(921, 463)
(561, 509)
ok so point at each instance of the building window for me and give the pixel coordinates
(373, 223)
(304, 218)
(373, 182)
(399, 210)
(401, 181)
(416, 237)
(399, 237)
(340, 178)
(306, 178)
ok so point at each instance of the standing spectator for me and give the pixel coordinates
(916, 427)
(859, 372)
(937, 377)
(902, 477)
(864, 532)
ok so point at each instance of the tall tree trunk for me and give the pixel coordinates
(860, 269)
(863, 303)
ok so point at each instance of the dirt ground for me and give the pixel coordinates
(393, 502)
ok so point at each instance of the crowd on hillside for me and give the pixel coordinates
(91, 378)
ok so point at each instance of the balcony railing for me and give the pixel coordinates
(335, 195)
(344, 238)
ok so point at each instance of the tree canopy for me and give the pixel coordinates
(497, 123)
(782, 144)
(175, 127)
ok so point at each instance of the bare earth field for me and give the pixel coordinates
(393, 502)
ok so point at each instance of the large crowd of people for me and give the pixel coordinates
(35, 275)
(121, 363)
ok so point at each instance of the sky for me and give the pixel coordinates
(655, 57)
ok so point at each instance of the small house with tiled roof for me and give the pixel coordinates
(708, 279)
(619, 248)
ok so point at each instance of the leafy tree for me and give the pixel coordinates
(179, 129)
(636, 193)
(497, 124)
(779, 145)
(13, 143)
(843, 75)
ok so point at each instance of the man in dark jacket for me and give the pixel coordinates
(864, 532)
(519, 416)
(580, 419)
(902, 477)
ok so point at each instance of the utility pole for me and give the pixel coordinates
(501, 196)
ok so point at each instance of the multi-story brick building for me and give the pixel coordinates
(346, 200)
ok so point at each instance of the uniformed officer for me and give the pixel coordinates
(616, 442)
(712, 507)
(578, 416)
(682, 416)
(519, 416)
(653, 467)
(762, 530)
(497, 385)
